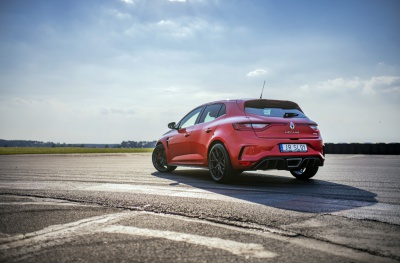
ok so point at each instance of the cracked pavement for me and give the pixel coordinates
(347, 213)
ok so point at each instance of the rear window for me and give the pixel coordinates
(281, 109)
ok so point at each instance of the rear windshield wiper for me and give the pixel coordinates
(290, 115)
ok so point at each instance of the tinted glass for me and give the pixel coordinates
(210, 113)
(275, 112)
(222, 111)
(190, 119)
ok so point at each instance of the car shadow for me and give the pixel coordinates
(311, 196)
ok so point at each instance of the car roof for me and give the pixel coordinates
(284, 104)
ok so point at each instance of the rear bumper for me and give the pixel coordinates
(287, 163)
(253, 153)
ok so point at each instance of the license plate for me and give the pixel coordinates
(293, 148)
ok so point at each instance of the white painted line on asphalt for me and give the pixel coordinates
(30, 200)
(291, 238)
(42, 203)
(59, 232)
(389, 213)
(236, 248)
(22, 246)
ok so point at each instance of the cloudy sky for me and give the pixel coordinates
(105, 71)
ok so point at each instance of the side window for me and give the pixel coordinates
(222, 111)
(190, 119)
(210, 113)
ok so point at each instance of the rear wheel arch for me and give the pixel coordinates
(219, 163)
(214, 142)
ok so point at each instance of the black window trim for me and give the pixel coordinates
(204, 108)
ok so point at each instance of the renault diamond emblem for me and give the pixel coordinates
(291, 125)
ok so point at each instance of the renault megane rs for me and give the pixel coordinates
(232, 136)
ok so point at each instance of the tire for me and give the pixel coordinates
(220, 165)
(160, 160)
(305, 173)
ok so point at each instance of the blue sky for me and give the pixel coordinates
(108, 71)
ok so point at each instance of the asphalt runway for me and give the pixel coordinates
(117, 207)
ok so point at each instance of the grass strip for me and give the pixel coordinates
(69, 150)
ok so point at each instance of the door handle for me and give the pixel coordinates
(187, 134)
(208, 130)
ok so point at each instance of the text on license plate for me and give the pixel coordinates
(293, 147)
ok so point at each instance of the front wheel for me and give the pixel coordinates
(160, 160)
(219, 164)
(305, 173)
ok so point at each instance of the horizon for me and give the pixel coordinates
(116, 143)
(108, 70)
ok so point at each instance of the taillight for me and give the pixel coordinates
(250, 126)
(242, 126)
(314, 127)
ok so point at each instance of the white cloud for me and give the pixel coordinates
(257, 72)
(187, 28)
(372, 86)
(382, 84)
(128, 1)
(119, 14)
(165, 23)
(177, 29)
(340, 84)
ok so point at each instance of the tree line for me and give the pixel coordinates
(124, 144)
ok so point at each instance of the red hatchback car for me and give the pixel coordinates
(232, 136)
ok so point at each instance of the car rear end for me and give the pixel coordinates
(275, 134)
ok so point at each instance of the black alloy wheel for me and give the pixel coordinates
(160, 160)
(219, 164)
(305, 173)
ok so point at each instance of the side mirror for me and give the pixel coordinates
(172, 125)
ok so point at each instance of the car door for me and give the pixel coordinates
(203, 131)
(177, 143)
